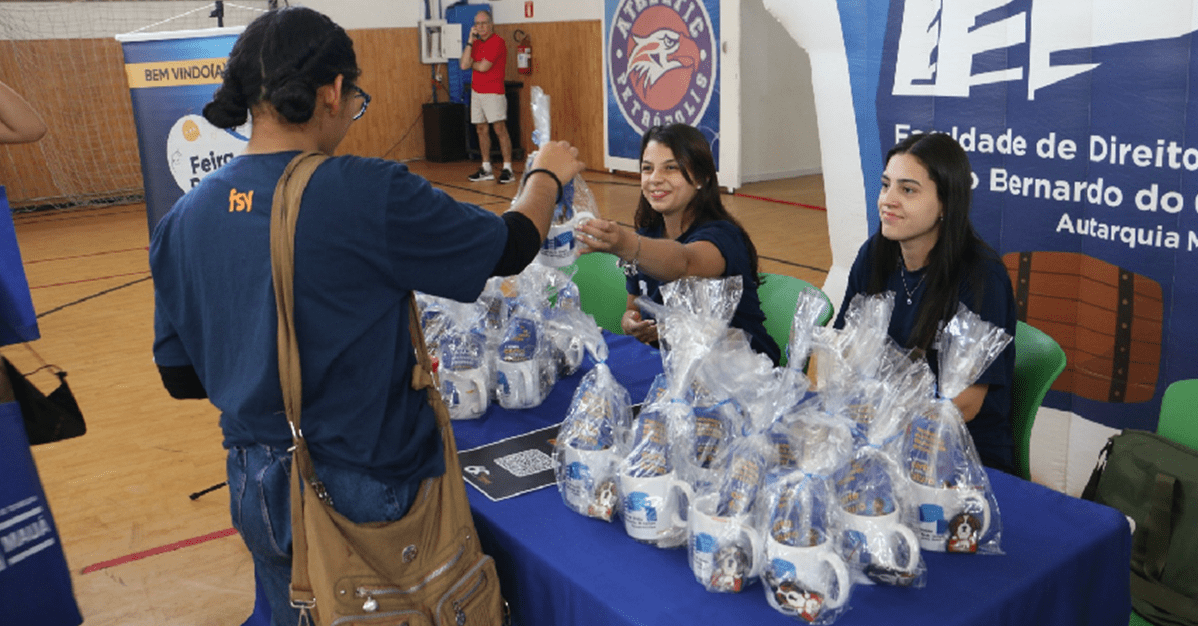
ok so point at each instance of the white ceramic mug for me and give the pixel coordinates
(587, 480)
(875, 540)
(651, 507)
(560, 247)
(951, 519)
(725, 551)
(805, 580)
(465, 392)
(518, 384)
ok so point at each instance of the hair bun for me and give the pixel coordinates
(225, 112)
(294, 99)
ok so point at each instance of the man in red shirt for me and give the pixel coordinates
(486, 55)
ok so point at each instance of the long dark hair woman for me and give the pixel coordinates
(928, 253)
(369, 233)
(682, 229)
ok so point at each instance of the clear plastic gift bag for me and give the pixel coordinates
(654, 496)
(809, 308)
(804, 574)
(693, 316)
(954, 506)
(724, 542)
(589, 446)
(734, 370)
(875, 539)
(577, 204)
(524, 369)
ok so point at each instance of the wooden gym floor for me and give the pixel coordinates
(140, 550)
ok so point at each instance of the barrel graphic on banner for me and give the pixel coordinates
(662, 65)
(171, 77)
(1107, 319)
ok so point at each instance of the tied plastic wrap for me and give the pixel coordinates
(577, 204)
(954, 508)
(809, 308)
(967, 345)
(589, 444)
(694, 315)
(804, 575)
(867, 322)
(525, 371)
(455, 338)
(875, 539)
(713, 424)
(650, 454)
(651, 504)
(734, 370)
(745, 463)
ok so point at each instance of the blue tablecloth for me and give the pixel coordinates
(1066, 559)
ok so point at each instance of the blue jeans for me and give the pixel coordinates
(260, 502)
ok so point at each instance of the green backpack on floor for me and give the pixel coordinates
(1154, 481)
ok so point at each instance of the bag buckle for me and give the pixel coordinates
(305, 607)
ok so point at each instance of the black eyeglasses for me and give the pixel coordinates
(365, 101)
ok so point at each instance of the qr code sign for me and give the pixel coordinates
(525, 463)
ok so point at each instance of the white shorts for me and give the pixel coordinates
(487, 107)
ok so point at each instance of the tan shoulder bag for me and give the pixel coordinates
(426, 568)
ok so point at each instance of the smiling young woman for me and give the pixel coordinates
(927, 252)
(682, 229)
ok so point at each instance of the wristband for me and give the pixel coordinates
(631, 268)
(541, 170)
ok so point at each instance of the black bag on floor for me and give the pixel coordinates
(47, 418)
(1154, 481)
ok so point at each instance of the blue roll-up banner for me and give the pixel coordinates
(662, 64)
(171, 77)
(35, 582)
(1077, 118)
(18, 320)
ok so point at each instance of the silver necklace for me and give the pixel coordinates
(910, 290)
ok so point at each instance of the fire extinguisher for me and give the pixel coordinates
(523, 52)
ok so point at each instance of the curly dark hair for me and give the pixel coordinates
(282, 57)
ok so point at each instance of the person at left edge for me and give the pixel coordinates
(369, 233)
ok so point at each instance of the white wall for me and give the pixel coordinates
(779, 136)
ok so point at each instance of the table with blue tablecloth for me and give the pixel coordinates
(1065, 562)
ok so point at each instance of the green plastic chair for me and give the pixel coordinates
(1179, 413)
(779, 294)
(1038, 362)
(601, 291)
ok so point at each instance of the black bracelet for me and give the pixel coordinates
(542, 170)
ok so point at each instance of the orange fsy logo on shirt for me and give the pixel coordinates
(241, 201)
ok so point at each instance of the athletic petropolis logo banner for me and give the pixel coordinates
(1079, 122)
(662, 62)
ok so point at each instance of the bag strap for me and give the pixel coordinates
(284, 212)
(1150, 551)
(1091, 488)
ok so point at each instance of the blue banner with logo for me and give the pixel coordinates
(662, 64)
(171, 77)
(1077, 119)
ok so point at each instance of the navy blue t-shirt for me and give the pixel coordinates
(368, 233)
(991, 428)
(730, 241)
